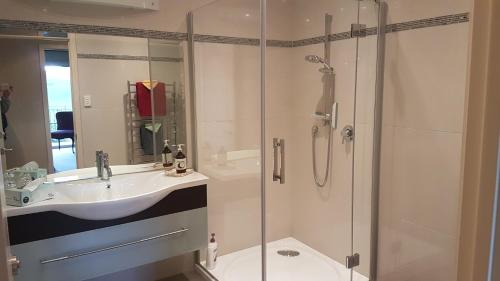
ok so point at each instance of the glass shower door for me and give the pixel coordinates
(311, 66)
(320, 76)
(368, 113)
(227, 100)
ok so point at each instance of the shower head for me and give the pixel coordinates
(316, 59)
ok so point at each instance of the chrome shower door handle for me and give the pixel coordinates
(282, 162)
(279, 160)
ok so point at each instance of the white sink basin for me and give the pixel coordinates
(127, 195)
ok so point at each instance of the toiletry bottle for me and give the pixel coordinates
(180, 160)
(212, 253)
(166, 156)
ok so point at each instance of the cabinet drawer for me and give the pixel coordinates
(103, 251)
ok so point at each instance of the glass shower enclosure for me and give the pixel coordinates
(285, 96)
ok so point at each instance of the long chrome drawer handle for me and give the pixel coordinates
(45, 261)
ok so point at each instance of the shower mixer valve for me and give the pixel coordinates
(347, 134)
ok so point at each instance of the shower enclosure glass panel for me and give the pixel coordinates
(311, 102)
(228, 106)
(370, 46)
(318, 121)
(320, 99)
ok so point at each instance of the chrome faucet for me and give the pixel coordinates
(102, 164)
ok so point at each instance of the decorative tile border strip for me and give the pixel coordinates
(321, 39)
(371, 31)
(141, 33)
(226, 40)
(280, 43)
(126, 57)
(396, 27)
(92, 29)
(111, 57)
(309, 41)
(430, 22)
(167, 59)
(240, 41)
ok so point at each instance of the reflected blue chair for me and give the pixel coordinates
(65, 129)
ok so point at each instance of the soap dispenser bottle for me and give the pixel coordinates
(166, 156)
(180, 160)
(212, 253)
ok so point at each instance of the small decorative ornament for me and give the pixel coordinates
(173, 173)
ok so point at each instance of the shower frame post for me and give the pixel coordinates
(377, 138)
(263, 135)
(192, 90)
(327, 91)
(328, 31)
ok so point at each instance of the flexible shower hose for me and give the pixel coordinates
(321, 182)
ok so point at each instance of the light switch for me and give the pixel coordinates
(87, 101)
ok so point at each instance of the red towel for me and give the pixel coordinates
(144, 99)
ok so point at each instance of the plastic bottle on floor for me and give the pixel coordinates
(212, 253)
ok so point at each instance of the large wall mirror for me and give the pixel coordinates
(66, 96)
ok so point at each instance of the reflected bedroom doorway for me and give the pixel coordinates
(60, 109)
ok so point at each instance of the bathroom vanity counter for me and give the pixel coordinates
(53, 245)
(120, 196)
